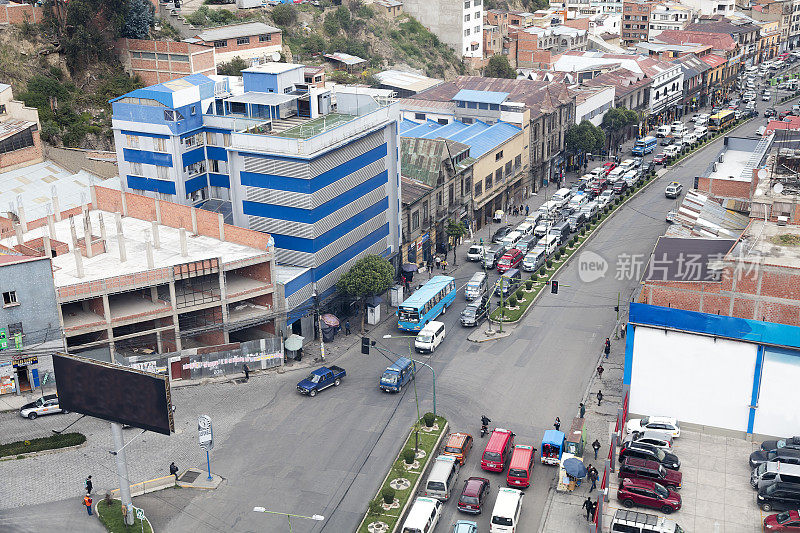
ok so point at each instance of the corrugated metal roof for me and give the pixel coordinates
(233, 31)
(480, 137)
(481, 97)
(703, 216)
(347, 59)
(679, 259)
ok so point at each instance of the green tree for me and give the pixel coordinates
(616, 120)
(331, 24)
(138, 19)
(369, 276)
(233, 67)
(284, 15)
(584, 138)
(343, 16)
(499, 67)
(455, 230)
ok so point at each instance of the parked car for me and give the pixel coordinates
(673, 190)
(766, 96)
(663, 131)
(781, 455)
(605, 197)
(651, 453)
(501, 233)
(660, 158)
(648, 494)
(786, 521)
(620, 187)
(779, 497)
(659, 439)
(475, 491)
(465, 526)
(792, 443)
(320, 379)
(475, 312)
(657, 423)
(634, 468)
(46, 405)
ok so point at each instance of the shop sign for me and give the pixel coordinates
(24, 361)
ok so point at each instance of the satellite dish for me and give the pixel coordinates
(759, 192)
(276, 56)
(762, 173)
(778, 188)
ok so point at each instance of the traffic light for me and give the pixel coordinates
(365, 345)
(554, 287)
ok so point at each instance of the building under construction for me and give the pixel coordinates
(137, 275)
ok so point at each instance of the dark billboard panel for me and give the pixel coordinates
(114, 393)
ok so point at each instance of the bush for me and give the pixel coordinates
(558, 255)
(429, 419)
(583, 230)
(543, 270)
(374, 506)
(549, 263)
(43, 443)
(534, 277)
(387, 493)
(519, 294)
(408, 456)
(512, 302)
(284, 15)
(529, 283)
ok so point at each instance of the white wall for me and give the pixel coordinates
(693, 378)
(777, 412)
(594, 108)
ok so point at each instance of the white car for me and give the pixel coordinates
(659, 439)
(766, 96)
(657, 423)
(663, 131)
(475, 252)
(46, 405)
(605, 197)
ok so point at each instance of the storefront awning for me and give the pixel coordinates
(293, 343)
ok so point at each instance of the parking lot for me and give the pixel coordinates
(716, 493)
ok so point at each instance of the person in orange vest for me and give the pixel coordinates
(87, 501)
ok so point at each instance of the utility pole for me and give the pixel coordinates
(502, 311)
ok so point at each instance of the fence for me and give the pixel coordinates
(619, 427)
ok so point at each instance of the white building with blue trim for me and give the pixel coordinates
(316, 169)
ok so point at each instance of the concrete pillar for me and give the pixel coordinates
(78, 261)
(109, 328)
(184, 246)
(154, 294)
(93, 195)
(56, 208)
(160, 346)
(120, 238)
(172, 299)
(103, 233)
(158, 212)
(149, 250)
(21, 214)
(48, 250)
(156, 239)
(221, 219)
(124, 204)
(87, 234)
(51, 226)
(18, 231)
(194, 220)
(73, 232)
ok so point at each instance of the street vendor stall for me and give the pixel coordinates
(571, 472)
(576, 438)
(552, 447)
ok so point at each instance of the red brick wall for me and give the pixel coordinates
(725, 187)
(258, 272)
(19, 13)
(152, 71)
(275, 40)
(31, 154)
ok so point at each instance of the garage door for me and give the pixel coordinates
(694, 378)
(777, 412)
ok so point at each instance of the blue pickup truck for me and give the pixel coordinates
(321, 378)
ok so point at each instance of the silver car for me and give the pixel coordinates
(46, 405)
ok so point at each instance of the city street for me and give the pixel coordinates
(327, 455)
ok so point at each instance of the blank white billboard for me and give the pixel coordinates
(694, 378)
(778, 413)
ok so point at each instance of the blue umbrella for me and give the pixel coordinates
(575, 468)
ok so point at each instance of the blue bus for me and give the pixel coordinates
(644, 146)
(426, 303)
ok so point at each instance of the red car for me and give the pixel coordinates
(511, 259)
(659, 158)
(648, 494)
(786, 521)
(599, 186)
(634, 468)
(475, 491)
(609, 166)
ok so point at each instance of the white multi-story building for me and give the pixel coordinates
(712, 7)
(669, 16)
(458, 23)
(607, 6)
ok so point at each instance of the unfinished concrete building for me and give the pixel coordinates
(136, 275)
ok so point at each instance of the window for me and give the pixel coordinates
(265, 38)
(498, 175)
(479, 188)
(195, 168)
(508, 168)
(488, 181)
(162, 172)
(477, 29)
(159, 145)
(442, 121)
(243, 40)
(419, 116)
(148, 55)
(132, 141)
(466, 17)
(226, 139)
(466, 32)
(193, 140)
(136, 169)
(477, 15)
(213, 165)
(169, 115)
(193, 110)
(182, 58)
(211, 138)
(163, 57)
(414, 220)
(517, 162)
(2, 109)
(439, 198)
(476, 3)
(10, 298)
(466, 4)
(220, 44)
(498, 156)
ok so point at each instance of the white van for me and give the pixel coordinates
(423, 516)
(526, 228)
(616, 174)
(590, 209)
(671, 150)
(510, 240)
(550, 243)
(505, 515)
(678, 130)
(476, 286)
(442, 478)
(533, 218)
(636, 522)
(475, 252)
(700, 132)
(429, 337)
(562, 196)
(663, 131)
(689, 138)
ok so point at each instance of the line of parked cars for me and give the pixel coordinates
(776, 478)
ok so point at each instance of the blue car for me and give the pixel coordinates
(465, 526)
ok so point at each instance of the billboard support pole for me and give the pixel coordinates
(122, 472)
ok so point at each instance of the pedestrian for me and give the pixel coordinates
(589, 506)
(527, 210)
(246, 372)
(173, 470)
(600, 371)
(596, 447)
(346, 328)
(87, 501)
(581, 410)
(623, 330)
(594, 508)
(592, 478)
(444, 264)
(438, 262)
(557, 424)
(87, 484)
(599, 397)
(607, 347)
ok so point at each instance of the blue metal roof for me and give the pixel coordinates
(162, 92)
(481, 97)
(551, 436)
(400, 364)
(480, 137)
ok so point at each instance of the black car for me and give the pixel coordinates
(641, 450)
(649, 167)
(770, 112)
(620, 187)
(500, 234)
(781, 455)
(791, 443)
(476, 311)
(666, 141)
(779, 496)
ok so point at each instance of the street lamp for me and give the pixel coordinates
(317, 517)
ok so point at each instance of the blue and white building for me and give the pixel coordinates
(315, 168)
